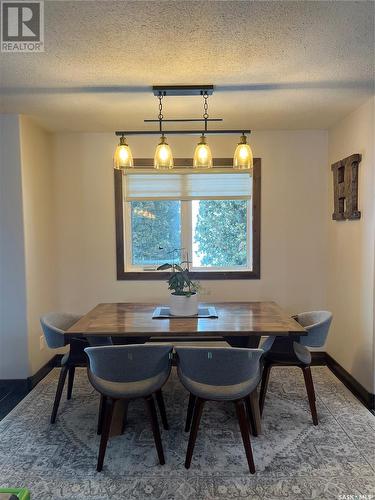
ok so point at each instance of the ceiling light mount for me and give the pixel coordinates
(182, 90)
(239, 131)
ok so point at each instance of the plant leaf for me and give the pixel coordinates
(164, 266)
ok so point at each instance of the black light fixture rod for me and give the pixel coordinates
(182, 132)
(182, 90)
(183, 120)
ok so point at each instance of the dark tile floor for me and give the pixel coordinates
(10, 396)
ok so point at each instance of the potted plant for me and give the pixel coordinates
(184, 299)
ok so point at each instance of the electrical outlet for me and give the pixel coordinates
(41, 342)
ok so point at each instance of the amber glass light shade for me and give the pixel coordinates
(202, 154)
(243, 156)
(163, 158)
(123, 157)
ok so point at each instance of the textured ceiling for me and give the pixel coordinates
(275, 64)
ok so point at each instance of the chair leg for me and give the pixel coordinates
(250, 416)
(190, 410)
(198, 408)
(161, 405)
(108, 412)
(72, 370)
(155, 427)
(244, 426)
(59, 390)
(252, 406)
(102, 405)
(310, 392)
(264, 385)
(125, 416)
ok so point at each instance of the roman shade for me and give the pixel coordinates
(188, 185)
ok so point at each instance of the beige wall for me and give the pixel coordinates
(58, 246)
(351, 253)
(14, 362)
(294, 220)
(40, 234)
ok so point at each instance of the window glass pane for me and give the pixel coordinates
(156, 231)
(219, 233)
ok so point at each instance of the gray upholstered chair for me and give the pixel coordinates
(127, 373)
(293, 352)
(220, 374)
(54, 325)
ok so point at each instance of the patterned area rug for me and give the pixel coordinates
(294, 459)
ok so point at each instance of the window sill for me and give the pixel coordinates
(197, 275)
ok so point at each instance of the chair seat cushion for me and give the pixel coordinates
(221, 392)
(128, 390)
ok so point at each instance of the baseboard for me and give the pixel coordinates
(366, 397)
(27, 384)
(43, 371)
(321, 358)
(318, 358)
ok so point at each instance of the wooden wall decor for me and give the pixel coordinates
(345, 188)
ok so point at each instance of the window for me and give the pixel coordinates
(154, 229)
(221, 232)
(212, 217)
(214, 233)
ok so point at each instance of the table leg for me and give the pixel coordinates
(77, 355)
(118, 418)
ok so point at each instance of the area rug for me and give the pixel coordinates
(293, 459)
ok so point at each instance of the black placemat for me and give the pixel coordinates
(163, 312)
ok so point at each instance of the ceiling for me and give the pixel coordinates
(276, 65)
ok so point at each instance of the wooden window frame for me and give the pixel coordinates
(201, 275)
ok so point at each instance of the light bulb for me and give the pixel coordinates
(163, 158)
(243, 156)
(123, 157)
(202, 154)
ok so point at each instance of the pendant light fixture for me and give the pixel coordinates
(123, 157)
(202, 159)
(202, 154)
(243, 156)
(163, 158)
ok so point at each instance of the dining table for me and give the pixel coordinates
(240, 320)
(241, 324)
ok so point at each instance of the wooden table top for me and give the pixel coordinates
(234, 319)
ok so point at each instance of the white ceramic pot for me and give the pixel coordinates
(182, 305)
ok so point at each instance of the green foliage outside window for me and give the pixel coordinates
(220, 234)
(155, 231)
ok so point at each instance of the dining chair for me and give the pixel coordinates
(127, 373)
(220, 374)
(54, 325)
(289, 351)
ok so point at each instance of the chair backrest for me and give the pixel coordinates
(54, 325)
(218, 365)
(317, 324)
(268, 343)
(129, 363)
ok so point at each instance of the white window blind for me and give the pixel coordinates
(187, 186)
